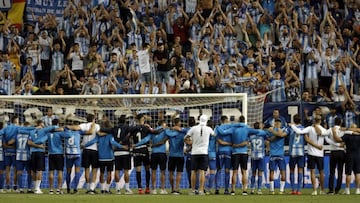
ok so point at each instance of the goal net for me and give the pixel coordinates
(157, 107)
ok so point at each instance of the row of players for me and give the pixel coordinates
(227, 148)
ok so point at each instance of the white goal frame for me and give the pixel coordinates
(213, 98)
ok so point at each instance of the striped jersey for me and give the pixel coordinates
(72, 143)
(349, 118)
(330, 119)
(257, 144)
(296, 142)
(278, 87)
(22, 147)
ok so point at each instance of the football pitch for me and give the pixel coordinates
(183, 198)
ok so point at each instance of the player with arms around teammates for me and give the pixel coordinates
(141, 153)
(23, 156)
(297, 156)
(158, 155)
(56, 155)
(277, 159)
(176, 154)
(223, 154)
(73, 156)
(257, 149)
(122, 155)
(37, 150)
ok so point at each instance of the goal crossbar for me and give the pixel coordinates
(129, 101)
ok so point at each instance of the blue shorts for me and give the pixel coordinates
(257, 164)
(212, 163)
(277, 161)
(2, 165)
(223, 160)
(297, 160)
(162, 75)
(74, 161)
(10, 160)
(21, 165)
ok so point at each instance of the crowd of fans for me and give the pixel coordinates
(300, 49)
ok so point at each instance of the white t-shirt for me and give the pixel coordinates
(200, 135)
(203, 66)
(77, 63)
(144, 61)
(87, 138)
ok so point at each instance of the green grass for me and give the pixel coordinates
(184, 198)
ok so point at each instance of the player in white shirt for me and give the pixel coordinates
(200, 135)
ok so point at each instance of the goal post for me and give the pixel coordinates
(75, 107)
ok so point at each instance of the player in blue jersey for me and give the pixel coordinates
(257, 148)
(176, 154)
(239, 156)
(277, 159)
(223, 155)
(224, 134)
(37, 151)
(106, 143)
(56, 155)
(10, 152)
(73, 157)
(297, 156)
(22, 156)
(2, 164)
(158, 155)
(212, 160)
(239, 138)
(122, 156)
